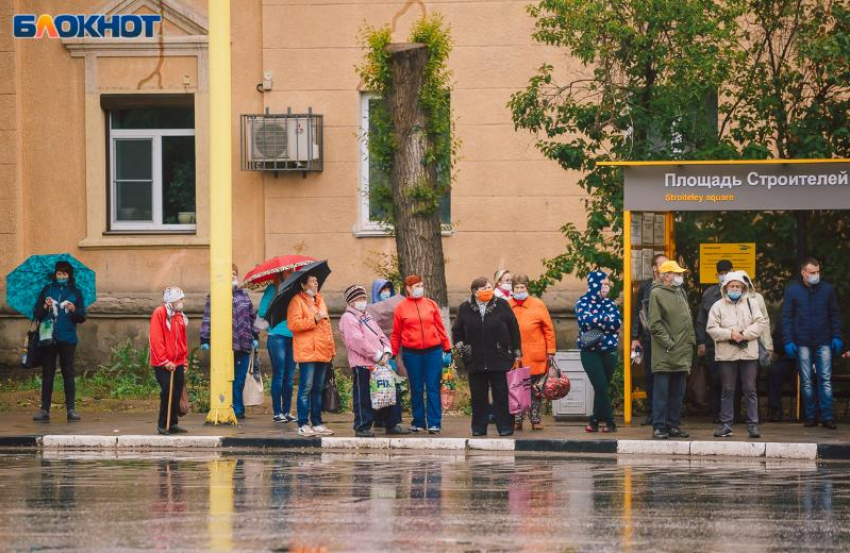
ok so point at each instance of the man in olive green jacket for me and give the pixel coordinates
(673, 340)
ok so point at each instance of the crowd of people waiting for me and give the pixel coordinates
(499, 327)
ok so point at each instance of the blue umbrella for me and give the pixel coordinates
(25, 283)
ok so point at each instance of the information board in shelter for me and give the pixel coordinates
(742, 256)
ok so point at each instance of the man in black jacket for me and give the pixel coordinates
(640, 331)
(705, 345)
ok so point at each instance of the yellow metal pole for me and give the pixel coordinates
(669, 236)
(221, 249)
(627, 316)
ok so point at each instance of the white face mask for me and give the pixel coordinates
(813, 279)
(178, 306)
(385, 295)
(360, 305)
(604, 291)
(310, 292)
(506, 287)
(419, 292)
(678, 280)
(235, 282)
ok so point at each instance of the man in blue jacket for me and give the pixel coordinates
(811, 327)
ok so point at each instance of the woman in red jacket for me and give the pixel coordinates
(169, 353)
(418, 328)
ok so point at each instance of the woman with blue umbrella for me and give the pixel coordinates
(60, 306)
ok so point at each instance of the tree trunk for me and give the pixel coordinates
(418, 231)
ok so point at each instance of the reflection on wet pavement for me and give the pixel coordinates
(419, 502)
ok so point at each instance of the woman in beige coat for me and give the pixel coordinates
(735, 323)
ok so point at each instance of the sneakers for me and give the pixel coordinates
(753, 430)
(279, 418)
(416, 429)
(434, 430)
(724, 431)
(830, 425)
(177, 429)
(73, 416)
(364, 433)
(610, 426)
(676, 432)
(320, 430)
(306, 431)
(592, 426)
(398, 429)
(659, 434)
(42, 416)
(289, 418)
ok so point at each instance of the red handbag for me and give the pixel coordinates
(557, 385)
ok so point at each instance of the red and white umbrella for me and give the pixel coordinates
(264, 273)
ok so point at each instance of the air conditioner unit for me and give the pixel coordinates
(282, 142)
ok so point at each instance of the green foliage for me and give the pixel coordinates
(435, 99)
(649, 71)
(386, 266)
(127, 375)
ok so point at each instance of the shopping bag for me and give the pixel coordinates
(45, 333)
(519, 390)
(32, 355)
(331, 402)
(557, 384)
(448, 381)
(382, 387)
(252, 393)
(183, 408)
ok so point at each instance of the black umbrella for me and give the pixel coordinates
(292, 286)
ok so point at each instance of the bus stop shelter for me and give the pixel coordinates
(655, 190)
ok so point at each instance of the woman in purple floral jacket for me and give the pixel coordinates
(244, 339)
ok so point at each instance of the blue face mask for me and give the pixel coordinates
(62, 280)
(521, 296)
(734, 295)
(385, 295)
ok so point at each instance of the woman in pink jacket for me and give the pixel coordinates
(367, 347)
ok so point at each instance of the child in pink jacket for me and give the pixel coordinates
(367, 347)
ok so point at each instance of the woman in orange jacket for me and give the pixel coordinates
(418, 328)
(169, 354)
(313, 349)
(538, 342)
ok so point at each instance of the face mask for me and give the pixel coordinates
(62, 280)
(235, 282)
(813, 279)
(521, 296)
(678, 280)
(506, 287)
(485, 295)
(360, 305)
(734, 295)
(419, 292)
(604, 291)
(721, 278)
(385, 295)
(310, 292)
(178, 306)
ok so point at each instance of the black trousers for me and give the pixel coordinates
(65, 354)
(163, 377)
(480, 384)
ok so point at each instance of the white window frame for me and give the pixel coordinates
(155, 136)
(366, 227)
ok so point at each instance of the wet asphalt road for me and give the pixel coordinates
(419, 502)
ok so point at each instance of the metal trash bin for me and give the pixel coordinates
(579, 402)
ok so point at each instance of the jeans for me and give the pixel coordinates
(311, 382)
(240, 372)
(163, 377)
(822, 363)
(283, 372)
(667, 400)
(600, 367)
(729, 373)
(480, 384)
(65, 353)
(364, 414)
(424, 371)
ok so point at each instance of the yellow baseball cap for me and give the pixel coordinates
(671, 267)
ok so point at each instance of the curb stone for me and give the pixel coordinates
(772, 450)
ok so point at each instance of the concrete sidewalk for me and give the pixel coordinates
(137, 430)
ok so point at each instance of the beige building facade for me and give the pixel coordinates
(104, 152)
